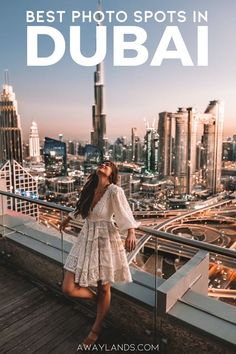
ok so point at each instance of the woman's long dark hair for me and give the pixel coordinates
(87, 193)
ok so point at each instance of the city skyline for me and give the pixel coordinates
(132, 94)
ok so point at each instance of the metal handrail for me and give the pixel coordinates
(36, 201)
(193, 243)
(155, 233)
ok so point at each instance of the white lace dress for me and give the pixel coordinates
(98, 253)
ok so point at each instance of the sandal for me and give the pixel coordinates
(91, 338)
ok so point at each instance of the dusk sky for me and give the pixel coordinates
(60, 97)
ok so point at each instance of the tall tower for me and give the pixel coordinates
(133, 138)
(55, 158)
(14, 178)
(192, 147)
(34, 147)
(212, 143)
(136, 146)
(152, 144)
(10, 129)
(165, 144)
(185, 149)
(98, 135)
(181, 150)
(234, 147)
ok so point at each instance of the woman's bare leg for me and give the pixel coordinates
(70, 288)
(103, 305)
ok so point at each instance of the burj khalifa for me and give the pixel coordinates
(98, 135)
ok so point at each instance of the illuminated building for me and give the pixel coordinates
(19, 181)
(98, 135)
(212, 143)
(55, 158)
(124, 181)
(34, 147)
(185, 150)
(10, 128)
(136, 146)
(151, 148)
(165, 144)
(71, 148)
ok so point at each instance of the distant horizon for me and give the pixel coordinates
(110, 139)
(85, 139)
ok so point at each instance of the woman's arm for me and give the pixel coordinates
(130, 242)
(64, 223)
(123, 214)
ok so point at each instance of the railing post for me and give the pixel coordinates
(62, 247)
(192, 275)
(155, 292)
(3, 206)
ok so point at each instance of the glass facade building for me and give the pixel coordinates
(98, 135)
(10, 129)
(34, 146)
(151, 149)
(15, 179)
(212, 143)
(55, 158)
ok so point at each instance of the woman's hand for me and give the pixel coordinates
(130, 242)
(64, 223)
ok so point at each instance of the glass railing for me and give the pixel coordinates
(159, 253)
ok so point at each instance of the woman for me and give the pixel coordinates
(98, 256)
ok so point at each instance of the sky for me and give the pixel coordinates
(60, 97)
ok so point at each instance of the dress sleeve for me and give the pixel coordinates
(123, 213)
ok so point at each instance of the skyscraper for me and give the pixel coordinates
(185, 149)
(119, 150)
(10, 128)
(189, 159)
(98, 135)
(151, 143)
(55, 158)
(192, 148)
(16, 179)
(135, 145)
(133, 140)
(181, 151)
(34, 146)
(71, 148)
(212, 143)
(234, 147)
(165, 144)
(227, 151)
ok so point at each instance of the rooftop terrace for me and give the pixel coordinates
(36, 320)
(175, 315)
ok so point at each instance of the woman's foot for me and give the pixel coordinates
(91, 338)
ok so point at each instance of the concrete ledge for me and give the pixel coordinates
(192, 275)
(207, 323)
(216, 308)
